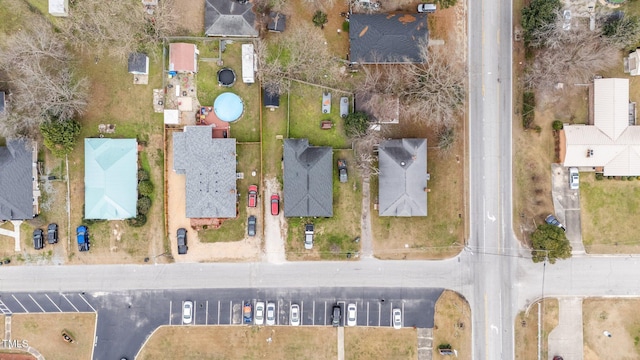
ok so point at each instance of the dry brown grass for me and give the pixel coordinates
(452, 321)
(221, 342)
(364, 343)
(526, 330)
(618, 316)
(44, 333)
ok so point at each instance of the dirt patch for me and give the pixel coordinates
(191, 17)
(452, 324)
(44, 333)
(363, 343)
(275, 227)
(526, 329)
(8, 356)
(620, 317)
(250, 342)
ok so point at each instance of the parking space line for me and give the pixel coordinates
(70, 302)
(313, 315)
(379, 313)
(231, 313)
(277, 312)
(85, 300)
(402, 323)
(4, 309)
(194, 312)
(367, 313)
(170, 310)
(182, 314)
(301, 312)
(54, 304)
(325, 312)
(19, 303)
(34, 300)
(218, 312)
(206, 313)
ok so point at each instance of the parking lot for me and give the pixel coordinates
(44, 303)
(312, 313)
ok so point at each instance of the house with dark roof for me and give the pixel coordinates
(138, 64)
(228, 18)
(308, 179)
(183, 57)
(277, 22)
(403, 177)
(110, 178)
(270, 100)
(387, 38)
(210, 167)
(19, 190)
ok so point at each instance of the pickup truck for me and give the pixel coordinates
(308, 236)
(83, 238)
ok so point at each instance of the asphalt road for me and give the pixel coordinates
(127, 318)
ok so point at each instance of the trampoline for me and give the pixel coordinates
(226, 77)
(228, 107)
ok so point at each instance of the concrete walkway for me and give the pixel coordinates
(566, 203)
(366, 236)
(566, 338)
(425, 344)
(340, 343)
(15, 234)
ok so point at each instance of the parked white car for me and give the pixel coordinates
(259, 316)
(294, 315)
(271, 313)
(397, 318)
(352, 314)
(574, 178)
(187, 312)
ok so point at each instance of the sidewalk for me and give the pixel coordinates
(566, 339)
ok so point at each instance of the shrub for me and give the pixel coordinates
(142, 175)
(145, 188)
(143, 205)
(137, 221)
(557, 125)
(356, 123)
(599, 176)
(629, 178)
(528, 107)
(320, 18)
(345, 26)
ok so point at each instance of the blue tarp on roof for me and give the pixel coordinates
(110, 178)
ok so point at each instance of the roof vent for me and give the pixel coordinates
(589, 152)
(402, 163)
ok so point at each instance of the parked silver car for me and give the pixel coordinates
(574, 178)
(271, 313)
(294, 315)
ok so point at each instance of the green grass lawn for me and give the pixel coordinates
(247, 128)
(235, 229)
(306, 115)
(334, 236)
(274, 123)
(608, 214)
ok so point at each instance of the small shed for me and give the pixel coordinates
(183, 57)
(138, 64)
(277, 22)
(270, 99)
(59, 7)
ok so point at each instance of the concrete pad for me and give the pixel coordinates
(566, 203)
(340, 343)
(567, 339)
(15, 234)
(425, 343)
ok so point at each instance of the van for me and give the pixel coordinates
(426, 8)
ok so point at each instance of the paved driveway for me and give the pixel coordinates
(566, 338)
(566, 203)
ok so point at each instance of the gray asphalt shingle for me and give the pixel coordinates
(16, 176)
(229, 18)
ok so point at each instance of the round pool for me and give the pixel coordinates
(228, 107)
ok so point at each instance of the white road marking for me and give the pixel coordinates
(367, 313)
(491, 217)
(182, 314)
(402, 318)
(206, 313)
(301, 311)
(325, 313)
(379, 313)
(313, 313)
(19, 303)
(193, 313)
(231, 313)
(54, 304)
(70, 302)
(218, 312)
(35, 302)
(85, 300)
(170, 308)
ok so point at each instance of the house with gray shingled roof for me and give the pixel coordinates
(229, 18)
(387, 38)
(308, 179)
(19, 190)
(210, 167)
(403, 177)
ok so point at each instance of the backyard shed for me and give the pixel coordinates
(138, 64)
(277, 22)
(183, 57)
(59, 7)
(270, 100)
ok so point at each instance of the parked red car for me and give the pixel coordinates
(253, 195)
(275, 204)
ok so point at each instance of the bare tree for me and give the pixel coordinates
(42, 84)
(364, 146)
(571, 55)
(302, 55)
(118, 27)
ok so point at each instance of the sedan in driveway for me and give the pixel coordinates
(182, 241)
(187, 312)
(271, 313)
(294, 316)
(574, 178)
(397, 318)
(253, 195)
(342, 171)
(38, 239)
(352, 313)
(275, 204)
(251, 226)
(259, 317)
(52, 233)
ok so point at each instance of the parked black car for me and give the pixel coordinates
(182, 241)
(251, 229)
(38, 239)
(52, 233)
(336, 315)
